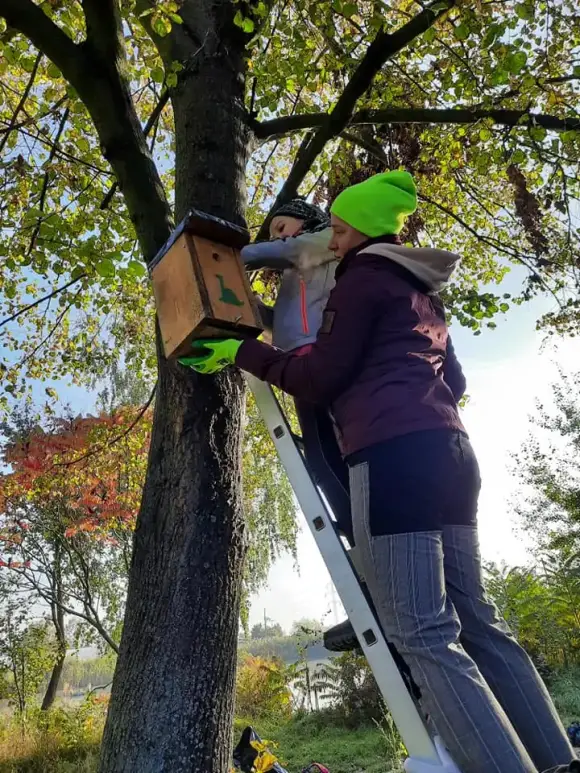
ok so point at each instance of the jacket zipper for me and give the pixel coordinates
(303, 309)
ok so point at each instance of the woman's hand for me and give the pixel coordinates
(215, 355)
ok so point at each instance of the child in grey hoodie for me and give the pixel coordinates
(300, 233)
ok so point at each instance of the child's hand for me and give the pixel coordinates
(214, 355)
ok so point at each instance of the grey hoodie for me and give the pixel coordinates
(431, 267)
(308, 269)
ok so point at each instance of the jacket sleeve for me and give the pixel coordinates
(280, 254)
(452, 373)
(332, 363)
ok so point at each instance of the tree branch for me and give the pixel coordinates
(371, 147)
(384, 46)
(104, 29)
(45, 35)
(22, 101)
(563, 78)
(100, 83)
(33, 119)
(279, 127)
(46, 180)
(45, 595)
(495, 243)
(98, 687)
(151, 122)
(50, 333)
(50, 295)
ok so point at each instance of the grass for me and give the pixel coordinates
(342, 750)
(565, 689)
(38, 760)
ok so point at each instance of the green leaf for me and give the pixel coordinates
(105, 268)
(248, 26)
(538, 133)
(158, 74)
(27, 63)
(442, 6)
(53, 71)
(349, 9)
(461, 32)
(524, 11)
(82, 144)
(516, 62)
(570, 136)
(136, 268)
(241, 21)
(492, 34)
(160, 24)
(485, 134)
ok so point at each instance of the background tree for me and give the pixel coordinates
(307, 628)
(477, 100)
(266, 630)
(27, 653)
(547, 465)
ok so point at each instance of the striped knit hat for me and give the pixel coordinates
(314, 218)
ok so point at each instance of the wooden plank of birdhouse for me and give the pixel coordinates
(178, 297)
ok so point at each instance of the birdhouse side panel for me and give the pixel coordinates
(179, 298)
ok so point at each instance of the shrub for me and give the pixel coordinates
(262, 688)
(54, 741)
(349, 686)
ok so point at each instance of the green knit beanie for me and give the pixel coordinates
(379, 205)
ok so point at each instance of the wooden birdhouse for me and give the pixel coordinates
(200, 286)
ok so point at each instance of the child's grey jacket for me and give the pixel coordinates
(308, 269)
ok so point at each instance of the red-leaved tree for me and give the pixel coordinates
(67, 511)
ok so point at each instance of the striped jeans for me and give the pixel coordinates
(478, 686)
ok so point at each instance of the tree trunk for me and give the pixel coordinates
(172, 698)
(59, 630)
(50, 694)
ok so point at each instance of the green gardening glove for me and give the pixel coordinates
(215, 355)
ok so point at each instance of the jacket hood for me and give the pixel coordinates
(314, 250)
(432, 267)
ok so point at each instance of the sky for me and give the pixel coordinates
(506, 369)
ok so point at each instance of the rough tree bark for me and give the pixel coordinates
(172, 699)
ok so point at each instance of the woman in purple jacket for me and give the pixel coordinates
(383, 364)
